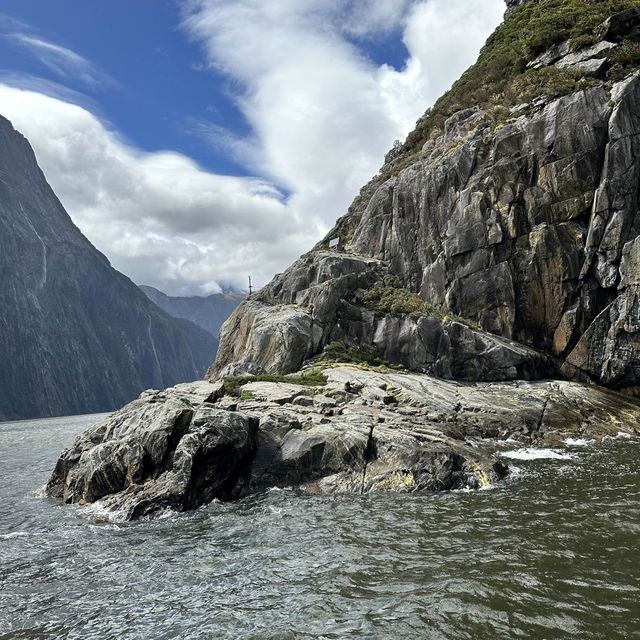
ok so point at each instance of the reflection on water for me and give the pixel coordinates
(552, 553)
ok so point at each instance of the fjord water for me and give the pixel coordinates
(554, 552)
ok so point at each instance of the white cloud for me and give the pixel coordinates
(158, 216)
(322, 116)
(372, 17)
(61, 60)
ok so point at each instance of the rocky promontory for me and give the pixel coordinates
(480, 293)
(342, 429)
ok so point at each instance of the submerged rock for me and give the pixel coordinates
(364, 431)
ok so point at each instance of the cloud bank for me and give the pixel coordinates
(321, 112)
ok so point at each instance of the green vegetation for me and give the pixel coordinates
(348, 354)
(385, 299)
(624, 59)
(549, 81)
(628, 55)
(234, 384)
(500, 76)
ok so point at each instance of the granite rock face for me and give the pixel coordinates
(76, 336)
(491, 264)
(263, 336)
(364, 431)
(528, 231)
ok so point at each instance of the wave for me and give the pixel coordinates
(578, 442)
(537, 454)
(100, 513)
(14, 534)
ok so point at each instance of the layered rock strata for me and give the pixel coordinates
(528, 230)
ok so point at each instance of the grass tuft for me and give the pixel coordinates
(233, 384)
(500, 76)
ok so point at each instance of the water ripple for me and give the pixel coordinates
(551, 553)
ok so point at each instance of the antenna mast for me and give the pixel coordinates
(250, 286)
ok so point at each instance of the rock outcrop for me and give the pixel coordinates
(495, 259)
(363, 431)
(527, 229)
(76, 336)
(266, 336)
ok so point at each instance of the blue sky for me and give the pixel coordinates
(197, 141)
(158, 84)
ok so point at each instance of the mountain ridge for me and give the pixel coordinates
(208, 312)
(77, 336)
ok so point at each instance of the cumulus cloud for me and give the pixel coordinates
(321, 116)
(158, 216)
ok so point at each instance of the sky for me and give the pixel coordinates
(197, 142)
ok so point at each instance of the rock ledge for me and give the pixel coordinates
(364, 431)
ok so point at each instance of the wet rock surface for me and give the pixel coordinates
(363, 431)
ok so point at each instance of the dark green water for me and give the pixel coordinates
(552, 553)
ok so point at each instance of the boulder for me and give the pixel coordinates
(172, 449)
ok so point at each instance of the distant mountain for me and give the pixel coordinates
(200, 340)
(76, 336)
(207, 312)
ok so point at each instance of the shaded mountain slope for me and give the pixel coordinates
(208, 312)
(76, 336)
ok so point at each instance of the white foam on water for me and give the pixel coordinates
(578, 442)
(515, 472)
(101, 513)
(165, 514)
(40, 492)
(14, 534)
(537, 454)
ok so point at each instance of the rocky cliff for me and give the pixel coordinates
(514, 220)
(76, 336)
(498, 246)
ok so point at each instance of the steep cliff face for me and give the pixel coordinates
(76, 336)
(498, 245)
(508, 229)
